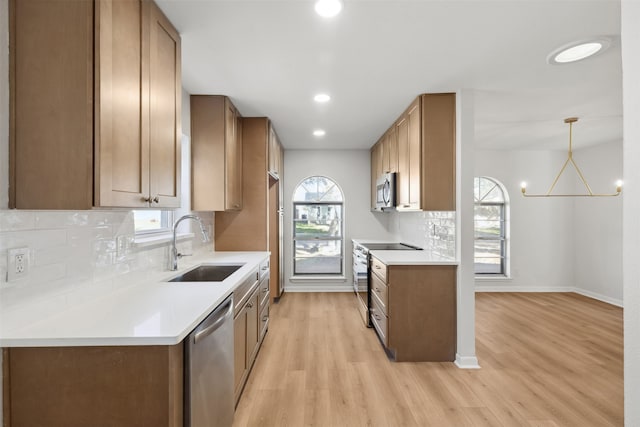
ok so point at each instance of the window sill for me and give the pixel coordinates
(311, 278)
(496, 278)
(159, 239)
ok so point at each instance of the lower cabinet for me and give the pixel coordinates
(90, 386)
(250, 326)
(413, 310)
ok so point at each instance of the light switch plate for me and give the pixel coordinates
(17, 263)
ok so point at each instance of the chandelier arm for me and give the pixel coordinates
(584, 181)
(555, 181)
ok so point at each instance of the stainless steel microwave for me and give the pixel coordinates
(386, 191)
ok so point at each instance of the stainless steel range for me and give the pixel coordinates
(362, 275)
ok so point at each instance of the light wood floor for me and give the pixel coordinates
(547, 360)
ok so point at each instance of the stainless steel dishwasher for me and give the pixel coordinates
(209, 385)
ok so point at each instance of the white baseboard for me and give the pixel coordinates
(466, 362)
(318, 287)
(589, 294)
(516, 288)
(599, 297)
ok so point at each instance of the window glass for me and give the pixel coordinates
(490, 227)
(152, 221)
(318, 227)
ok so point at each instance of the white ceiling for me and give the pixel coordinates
(271, 57)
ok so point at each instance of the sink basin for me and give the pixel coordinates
(208, 273)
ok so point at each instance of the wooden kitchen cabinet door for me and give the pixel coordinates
(414, 160)
(165, 97)
(439, 152)
(375, 170)
(216, 154)
(391, 150)
(122, 98)
(240, 350)
(402, 179)
(51, 104)
(110, 386)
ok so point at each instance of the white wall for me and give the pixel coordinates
(565, 244)
(597, 225)
(351, 170)
(631, 208)
(541, 229)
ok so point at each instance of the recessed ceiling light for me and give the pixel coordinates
(328, 8)
(319, 132)
(577, 51)
(322, 97)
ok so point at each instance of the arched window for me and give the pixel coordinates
(318, 213)
(490, 217)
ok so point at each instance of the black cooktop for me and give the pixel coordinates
(390, 247)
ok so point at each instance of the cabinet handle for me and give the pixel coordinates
(377, 317)
(377, 267)
(265, 290)
(250, 305)
(377, 290)
(150, 200)
(406, 206)
(237, 206)
(265, 318)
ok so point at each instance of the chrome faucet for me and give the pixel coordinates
(174, 255)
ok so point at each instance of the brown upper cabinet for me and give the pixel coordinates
(390, 151)
(216, 154)
(423, 143)
(276, 164)
(95, 109)
(377, 153)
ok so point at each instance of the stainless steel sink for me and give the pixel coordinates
(208, 273)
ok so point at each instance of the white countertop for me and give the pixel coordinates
(151, 311)
(412, 258)
(408, 257)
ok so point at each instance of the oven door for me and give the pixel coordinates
(360, 285)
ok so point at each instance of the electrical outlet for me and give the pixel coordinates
(17, 263)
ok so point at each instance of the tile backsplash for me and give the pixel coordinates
(72, 249)
(433, 230)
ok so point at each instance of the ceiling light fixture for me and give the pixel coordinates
(322, 98)
(578, 50)
(319, 132)
(328, 8)
(523, 186)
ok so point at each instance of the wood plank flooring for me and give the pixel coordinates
(548, 359)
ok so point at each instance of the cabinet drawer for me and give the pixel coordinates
(263, 319)
(241, 293)
(379, 268)
(380, 321)
(380, 292)
(263, 291)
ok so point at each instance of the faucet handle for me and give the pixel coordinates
(179, 255)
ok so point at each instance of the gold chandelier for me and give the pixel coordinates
(570, 160)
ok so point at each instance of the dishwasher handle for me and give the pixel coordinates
(214, 321)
